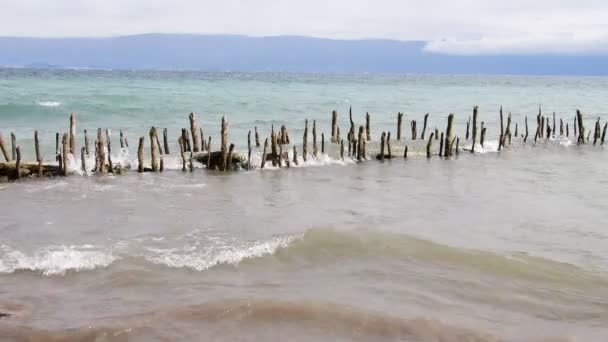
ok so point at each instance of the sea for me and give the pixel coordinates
(506, 245)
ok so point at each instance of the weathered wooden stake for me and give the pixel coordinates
(72, 133)
(441, 142)
(314, 138)
(596, 131)
(567, 130)
(160, 155)
(65, 143)
(122, 139)
(334, 126)
(140, 155)
(368, 133)
(13, 145)
(194, 132)
(224, 143)
(399, 120)
(426, 118)
(448, 136)
(83, 164)
(110, 166)
(382, 142)
(501, 141)
(475, 109)
(483, 136)
(414, 131)
(561, 127)
(18, 162)
(604, 134)
(249, 150)
(361, 147)
(37, 148)
(575, 125)
(457, 145)
(209, 153)
(182, 154)
(507, 131)
(257, 136)
(429, 145)
(57, 155)
(295, 154)
(190, 162)
(229, 167)
(322, 144)
(351, 132)
(405, 152)
(264, 154)
(86, 142)
(341, 149)
(101, 156)
(280, 156)
(468, 126)
(305, 141)
(553, 128)
(516, 131)
(203, 141)
(581, 127)
(3, 148)
(154, 149)
(388, 145)
(273, 143)
(436, 133)
(284, 135)
(526, 124)
(166, 141)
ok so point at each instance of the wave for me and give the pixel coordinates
(303, 320)
(55, 260)
(49, 103)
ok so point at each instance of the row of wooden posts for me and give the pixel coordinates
(194, 147)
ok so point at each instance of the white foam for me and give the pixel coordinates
(54, 260)
(49, 103)
(191, 257)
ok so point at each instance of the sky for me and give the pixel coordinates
(466, 27)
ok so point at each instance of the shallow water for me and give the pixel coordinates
(494, 246)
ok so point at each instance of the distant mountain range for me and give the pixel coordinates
(276, 54)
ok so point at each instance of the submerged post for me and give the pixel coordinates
(37, 148)
(429, 145)
(322, 143)
(581, 127)
(72, 133)
(229, 164)
(361, 147)
(305, 141)
(295, 155)
(18, 162)
(122, 139)
(475, 109)
(441, 145)
(413, 127)
(596, 131)
(604, 134)
(224, 143)
(166, 141)
(382, 142)
(3, 148)
(83, 165)
(182, 148)
(86, 142)
(526, 123)
(388, 146)
(194, 132)
(448, 135)
(153, 149)
(341, 149)
(101, 158)
(65, 143)
(13, 146)
(426, 118)
(368, 135)
(468, 126)
(483, 136)
(399, 120)
(110, 166)
(314, 138)
(140, 155)
(334, 126)
(264, 154)
(273, 144)
(203, 141)
(257, 137)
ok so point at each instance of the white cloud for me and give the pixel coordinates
(451, 26)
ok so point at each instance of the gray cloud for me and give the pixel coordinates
(451, 26)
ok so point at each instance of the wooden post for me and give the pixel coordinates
(273, 144)
(567, 130)
(190, 162)
(110, 165)
(351, 132)
(57, 155)
(305, 141)
(140, 155)
(121, 139)
(368, 134)
(526, 123)
(101, 157)
(64, 154)
(264, 154)
(468, 126)
(18, 162)
(295, 155)
(86, 142)
(426, 118)
(249, 150)
(209, 153)
(382, 142)
(604, 134)
(182, 154)
(284, 135)
(413, 127)
(334, 124)
(203, 145)
(361, 146)
(229, 164)
(37, 148)
(561, 127)
(429, 145)
(322, 144)
(388, 145)
(548, 136)
(257, 137)
(501, 141)
(457, 145)
(72, 133)
(338, 133)
(13, 145)
(153, 149)
(166, 141)
(542, 129)
(575, 125)
(280, 156)
(314, 138)
(596, 131)
(405, 152)
(475, 110)
(483, 136)
(160, 154)
(341, 149)
(83, 164)
(224, 143)
(553, 129)
(581, 127)
(507, 131)
(441, 145)
(436, 133)
(399, 120)
(3, 148)
(448, 136)
(194, 132)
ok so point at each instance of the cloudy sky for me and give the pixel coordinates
(450, 26)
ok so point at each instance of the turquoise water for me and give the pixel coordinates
(134, 101)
